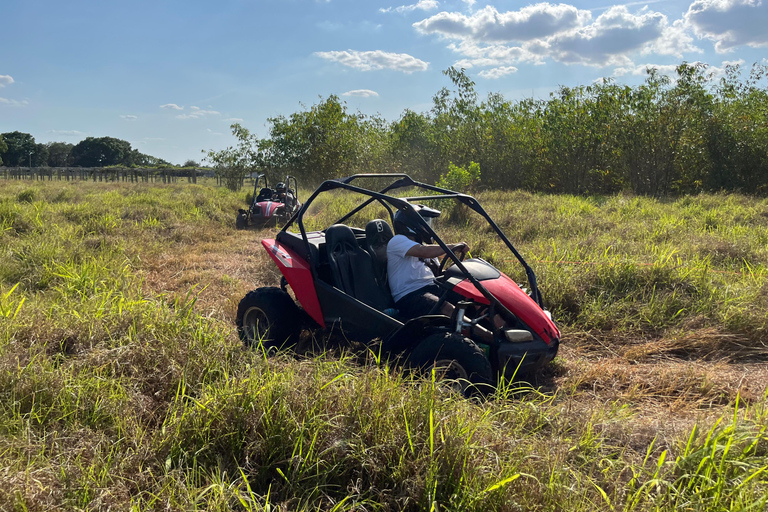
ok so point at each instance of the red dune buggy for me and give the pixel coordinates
(269, 205)
(339, 279)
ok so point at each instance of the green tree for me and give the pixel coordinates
(3, 149)
(138, 159)
(412, 147)
(101, 152)
(20, 148)
(461, 179)
(316, 144)
(371, 141)
(59, 154)
(663, 137)
(233, 163)
(647, 137)
(455, 122)
(510, 142)
(694, 106)
(579, 132)
(738, 132)
(40, 156)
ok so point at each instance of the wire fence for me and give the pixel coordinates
(127, 174)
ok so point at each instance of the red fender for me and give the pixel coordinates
(515, 300)
(298, 275)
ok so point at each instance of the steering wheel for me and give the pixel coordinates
(446, 259)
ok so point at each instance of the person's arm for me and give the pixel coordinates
(435, 251)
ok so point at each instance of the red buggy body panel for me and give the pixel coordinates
(269, 208)
(298, 275)
(514, 299)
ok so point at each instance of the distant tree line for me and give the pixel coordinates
(665, 136)
(19, 149)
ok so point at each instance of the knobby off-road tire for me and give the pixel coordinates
(269, 316)
(241, 222)
(454, 357)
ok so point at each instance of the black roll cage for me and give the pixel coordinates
(403, 204)
(288, 180)
(256, 187)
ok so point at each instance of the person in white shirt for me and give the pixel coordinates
(411, 266)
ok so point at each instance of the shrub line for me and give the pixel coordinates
(639, 264)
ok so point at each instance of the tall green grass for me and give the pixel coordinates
(114, 395)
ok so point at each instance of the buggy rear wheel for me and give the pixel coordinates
(454, 358)
(268, 316)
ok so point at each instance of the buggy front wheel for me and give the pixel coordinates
(455, 359)
(241, 222)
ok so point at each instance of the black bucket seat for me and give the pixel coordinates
(265, 194)
(352, 268)
(378, 233)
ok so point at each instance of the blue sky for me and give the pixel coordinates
(170, 76)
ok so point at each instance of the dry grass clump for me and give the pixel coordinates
(676, 385)
(709, 343)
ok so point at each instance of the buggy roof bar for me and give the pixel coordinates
(349, 179)
(404, 205)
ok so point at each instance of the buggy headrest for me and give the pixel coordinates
(378, 234)
(264, 193)
(339, 238)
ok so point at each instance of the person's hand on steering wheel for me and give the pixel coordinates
(461, 249)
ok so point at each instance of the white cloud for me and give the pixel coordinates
(737, 62)
(197, 113)
(5, 80)
(213, 132)
(362, 93)
(675, 40)
(499, 72)
(492, 56)
(234, 120)
(614, 33)
(171, 106)
(375, 60)
(13, 103)
(490, 26)
(128, 116)
(422, 5)
(627, 4)
(730, 23)
(561, 32)
(469, 3)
